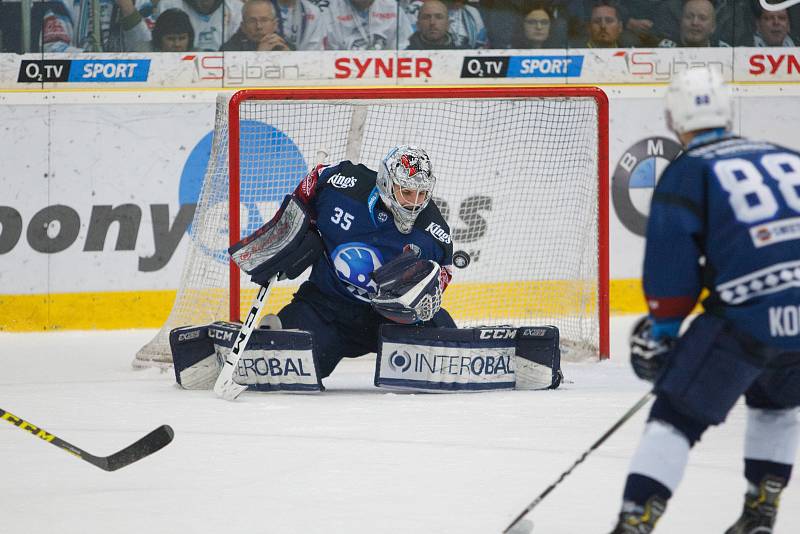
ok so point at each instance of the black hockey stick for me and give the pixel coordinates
(225, 386)
(635, 408)
(152, 442)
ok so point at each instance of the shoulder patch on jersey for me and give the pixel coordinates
(432, 222)
(353, 180)
(438, 232)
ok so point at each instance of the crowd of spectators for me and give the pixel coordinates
(284, 25)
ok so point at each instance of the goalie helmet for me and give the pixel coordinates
(698, 99)
(408, 168)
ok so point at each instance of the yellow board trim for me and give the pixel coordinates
(149, 309)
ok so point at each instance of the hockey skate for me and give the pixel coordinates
(760, 508)
(640, 520)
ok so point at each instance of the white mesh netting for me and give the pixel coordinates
(517, 183)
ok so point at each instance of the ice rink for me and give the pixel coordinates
(350, 460)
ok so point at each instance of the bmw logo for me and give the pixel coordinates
(635, 177)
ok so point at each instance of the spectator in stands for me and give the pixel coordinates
(214, 21)
(259, 29)
(794, 20)
(698, 23)
(537, 22)
(577, 14)
(364, 25)
(301, 24)
(172, 32)
(734, 20)
(433, 28)
(70, 28)
(772, 28)
(504, 26)
(466, 25)
(605, 28)
(502, 20)
(641, 23)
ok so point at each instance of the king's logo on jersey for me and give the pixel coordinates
(342, 182)
(354, 262)
(438, 232)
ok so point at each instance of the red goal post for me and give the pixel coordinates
(594, 93)
(522, 180)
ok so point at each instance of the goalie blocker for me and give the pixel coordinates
(468, 359)
(274, 360)
(285, 246)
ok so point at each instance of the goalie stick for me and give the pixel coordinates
(518, 525)
(225, 387)
(152, 442)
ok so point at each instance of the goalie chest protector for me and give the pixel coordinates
(360, 234)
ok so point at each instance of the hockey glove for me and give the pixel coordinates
(409, 289)
(286, 245)
(649, 356)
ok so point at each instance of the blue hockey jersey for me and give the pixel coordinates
(359, 233)
(726, 216)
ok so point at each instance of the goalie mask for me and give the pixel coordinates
(405, 182)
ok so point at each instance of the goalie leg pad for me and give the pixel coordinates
(194, 360)
(274, 360)
(537, 361)
(468, 359)
(445, 359)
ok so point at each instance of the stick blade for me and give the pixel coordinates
(524, 526)
(225, 387)
(152, 442)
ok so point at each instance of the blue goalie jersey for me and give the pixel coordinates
(726, 216)
(359, 233)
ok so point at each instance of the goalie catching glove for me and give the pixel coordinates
(409, 289)
(287, 245)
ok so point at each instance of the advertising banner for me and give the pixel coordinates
(98, 198)
(280, 69)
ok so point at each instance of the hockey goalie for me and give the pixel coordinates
(381, 257)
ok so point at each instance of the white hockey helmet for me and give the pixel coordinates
(698, 99)
(408, 167)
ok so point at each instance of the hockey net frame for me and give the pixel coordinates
(146, 358)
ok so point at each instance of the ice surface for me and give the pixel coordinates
(351, 460)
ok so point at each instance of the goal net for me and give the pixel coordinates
(521, 180)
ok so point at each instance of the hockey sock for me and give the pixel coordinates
(658, 465)
(756, 471)
(771, 444)
(640, 488)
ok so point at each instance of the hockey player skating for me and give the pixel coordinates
(725, 216)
